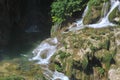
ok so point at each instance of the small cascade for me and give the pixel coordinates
(79, 24)
(45, 50)
(61, 76)
(81, 21)
(104, 21)
(105, 9)
(42, 55)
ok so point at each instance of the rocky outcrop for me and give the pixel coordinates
(87, 54)
(114, 16)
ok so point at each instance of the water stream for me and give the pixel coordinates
(48, 47)
(42, 55)
(104, 21)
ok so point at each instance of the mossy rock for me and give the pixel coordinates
(88, 48)
(94, 12)
(114, 17)
(20, 69)
(12, 77)
(92, 16)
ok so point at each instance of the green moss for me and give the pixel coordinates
(107, 60)
(77, 42)
(13, 77)
(115, 13)
(39, 77)
(105, 44)
(69, 67)
(94, 2)
(96, 37)
(84, 63)
(94, 12)
(63, 54)
(101, 70)
(58, 68)
(93, 48)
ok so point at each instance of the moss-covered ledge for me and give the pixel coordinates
(87, 54)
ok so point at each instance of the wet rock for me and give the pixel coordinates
(114, 17)
(87, 53)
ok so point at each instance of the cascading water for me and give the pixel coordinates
(42, 55)
(104, 22)
(104, 9)
(45, 50)
(48, 47)
(79, 24)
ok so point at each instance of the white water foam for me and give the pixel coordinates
(104, 22)
(47, 48)
(59, 76)
(79, 23)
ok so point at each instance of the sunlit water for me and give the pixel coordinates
(42, 55)
(104, 21)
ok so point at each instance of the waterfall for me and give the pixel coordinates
(45, 50)
(104, 21)
(105, 9)
(42, 55)
(79, 24)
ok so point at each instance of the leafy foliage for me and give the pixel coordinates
(62, 9)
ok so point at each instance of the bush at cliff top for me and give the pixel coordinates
(62, 9)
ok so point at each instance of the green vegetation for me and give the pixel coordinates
(62, 9)
(107, 59)
(13, 77)
(105, 44)
(93, 48)
(63, 54)
(58, 68)
(112, 16)
(101, 70)
(84, 63)
(96, 2)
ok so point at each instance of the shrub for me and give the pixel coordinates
(62, 9)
